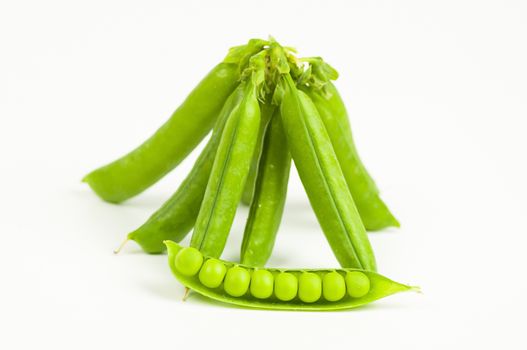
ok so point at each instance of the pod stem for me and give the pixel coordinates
(416, 289)
(121, 246)
(187, 292)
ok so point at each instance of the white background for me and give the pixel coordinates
(437, 98)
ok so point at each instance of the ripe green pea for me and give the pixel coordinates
(309, 287)
(237, 281)
(262, 284)
(285, 286)
(188, 261)
(212, 273)
(333, 286)
(358, 284)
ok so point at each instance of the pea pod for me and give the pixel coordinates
(248, 192)
(373, 211)
(323, 180)
(228, 175)
(270, 193)
(278, 289)
(177, 216)
(171, 143)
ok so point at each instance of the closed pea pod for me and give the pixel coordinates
(177, 215)
(293, 289)
(276, 64)
(323, 180)
(174, 140)
(267, 111)
(269, 197)
(228, 175)
(170, 144)
(373, 211)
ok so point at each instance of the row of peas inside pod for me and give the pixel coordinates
(265, 107)
(285, 289)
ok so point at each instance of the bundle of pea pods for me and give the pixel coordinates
(266, 107)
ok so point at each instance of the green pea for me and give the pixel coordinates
(237, 281)
(188, 261)
(262, 284)
(358, 284)
(285, 286)
(212, 273)
(333, 286)
(309, 287)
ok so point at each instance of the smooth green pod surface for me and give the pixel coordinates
(285, 282)
(323, 180)
(177, 216)
(228, 175)
(270, 193)
(267, 111)
(373, 211)
(170, 144)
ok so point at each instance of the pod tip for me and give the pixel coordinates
(187, 291)
(416, 289)
(121, 246)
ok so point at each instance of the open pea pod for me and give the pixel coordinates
(278, 289)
